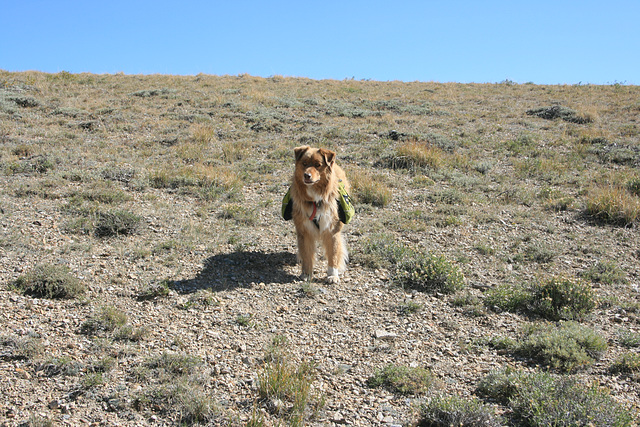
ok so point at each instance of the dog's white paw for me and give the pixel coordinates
(334, 280)
(332, 275)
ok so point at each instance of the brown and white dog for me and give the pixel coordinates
(315, 210)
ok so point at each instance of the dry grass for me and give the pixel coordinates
(369, 188)
(614, 205)
(418, 154)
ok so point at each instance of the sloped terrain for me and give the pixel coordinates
(162, 195)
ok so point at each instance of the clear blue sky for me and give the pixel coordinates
(543, 41)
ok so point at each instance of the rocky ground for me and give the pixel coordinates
(233, 285)
(349, 330)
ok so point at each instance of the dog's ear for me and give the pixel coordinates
(329, 156)
(299, 151)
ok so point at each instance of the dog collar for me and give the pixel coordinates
(315, 209)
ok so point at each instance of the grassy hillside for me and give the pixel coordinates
(146, 275)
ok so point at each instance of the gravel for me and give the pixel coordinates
(348, 331)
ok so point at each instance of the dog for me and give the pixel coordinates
(318, 187)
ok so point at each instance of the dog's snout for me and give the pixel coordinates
(307, 175)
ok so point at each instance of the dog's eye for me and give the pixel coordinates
(318, 165)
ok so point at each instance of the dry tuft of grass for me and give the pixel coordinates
(418, 154)
(613, 205)
(286, 387)
(369, 188)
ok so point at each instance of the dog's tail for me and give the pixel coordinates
(344, 259)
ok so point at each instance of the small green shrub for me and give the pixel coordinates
(155, 290)
(92, 380)
(629, 338)
(483, 167)
(100, 193)
(277, 348)
(204, 181)
(484, 249)
(36, 420)
(403, 380)
(308, 289)
(118, 174)
(429, 273)
(539, 253)
(619, 154)
(562, 299)
(177, 389)
(567, 347)
(116, 223)
(470, 304)
(628, 363)
(410, 307)
(605, 272)
(174, 363)
(164, 92)
(194, 404)
(39, 164)
(172, 179)
(555, 200)
(24, 101)
(103, 365)
(560, 112)
(501, 386)
(64, 366)
(445, 411)
(507, 298)
(203, 297)
(503, 343)
(447, 197)
(50, 281)
(107, 319)
(129, 333)
(553, 298)
(542, 399)
(523, 143)
(19, 348)
(245, 320)
(23, 150)
(381, 251)
(239, 213)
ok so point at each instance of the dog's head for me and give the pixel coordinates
(313, 164)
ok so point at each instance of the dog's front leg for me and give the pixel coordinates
(306, 254)
(335, 252)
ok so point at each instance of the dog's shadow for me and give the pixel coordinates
(239, 270)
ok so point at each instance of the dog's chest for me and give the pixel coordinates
(320, 218)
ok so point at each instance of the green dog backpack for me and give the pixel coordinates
(287, 206)
(346, 211)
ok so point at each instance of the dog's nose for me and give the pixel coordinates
(307, 175)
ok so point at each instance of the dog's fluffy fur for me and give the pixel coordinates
(315, 180)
